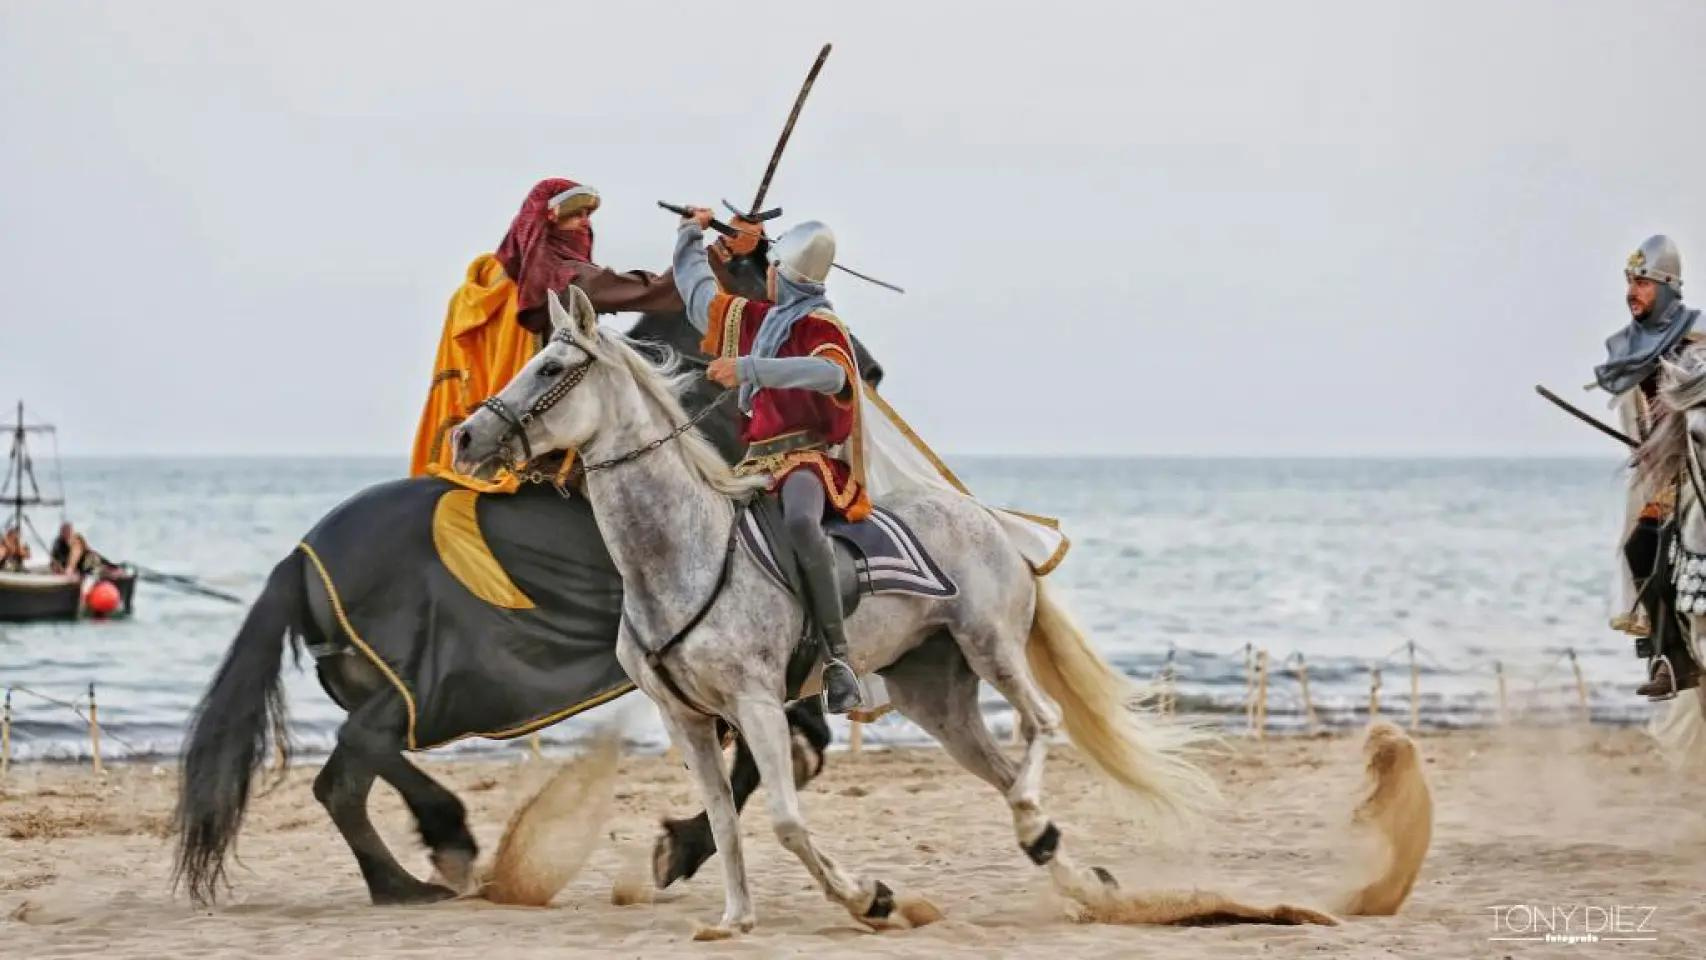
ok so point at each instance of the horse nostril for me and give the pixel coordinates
(461, 440)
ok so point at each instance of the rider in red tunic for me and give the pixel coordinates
(792, 361)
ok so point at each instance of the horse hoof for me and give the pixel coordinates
(1107, 878)
(417, 894)
(680, 851)
(725, 930)
(882, 903)
(455, 867)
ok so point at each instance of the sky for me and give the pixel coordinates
(1229, 228)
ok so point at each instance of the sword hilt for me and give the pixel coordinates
(716, 224)
(757, 216)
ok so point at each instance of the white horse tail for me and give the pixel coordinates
(1146, 754)
(1397, 812)
(1681, 731)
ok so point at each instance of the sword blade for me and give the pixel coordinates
(788, 130)
(867, 278)
(1591, 421)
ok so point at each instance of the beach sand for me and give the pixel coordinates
(1548, 819)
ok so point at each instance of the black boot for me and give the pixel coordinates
(841, 691)
(1661, 683)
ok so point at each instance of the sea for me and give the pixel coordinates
(1482, 586)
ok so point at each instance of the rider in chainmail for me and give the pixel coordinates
(1660, 325)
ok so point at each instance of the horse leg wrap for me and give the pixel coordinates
(1042, 849)
(882, 902)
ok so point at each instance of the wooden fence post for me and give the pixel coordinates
(1262, 695)
(94, 730)
(1581, 686)
(1303, 683)
(1415, 691)
(1504, 706)
(6, 735)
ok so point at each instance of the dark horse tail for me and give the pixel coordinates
(227, 739)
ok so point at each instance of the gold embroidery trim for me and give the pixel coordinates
(349, 629)
(409, 700)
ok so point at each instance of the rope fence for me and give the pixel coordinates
(1265, 686)
(1260, 673)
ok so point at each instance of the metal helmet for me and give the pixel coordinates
(804, 253)
(1657, 260)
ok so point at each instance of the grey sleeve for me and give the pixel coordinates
(693, 276)
(801, 373)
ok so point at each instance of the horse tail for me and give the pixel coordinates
(227, 739)
(1397, 808)
(1680, 731)
(1146, 754)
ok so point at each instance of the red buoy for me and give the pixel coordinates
(103, 599)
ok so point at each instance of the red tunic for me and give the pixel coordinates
(778, 413)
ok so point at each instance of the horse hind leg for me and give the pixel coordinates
(374, 736)
(765, 726)
(342, 787)
(935, 686)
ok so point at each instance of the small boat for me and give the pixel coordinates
(43, 594)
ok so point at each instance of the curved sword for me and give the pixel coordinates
(787, 131)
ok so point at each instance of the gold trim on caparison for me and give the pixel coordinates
(349, 628)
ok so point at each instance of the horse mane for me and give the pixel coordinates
(662, 383)
(1662, 457)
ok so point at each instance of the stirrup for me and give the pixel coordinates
(858, 687)
(1656, 694)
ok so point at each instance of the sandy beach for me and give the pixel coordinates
(1541, 818)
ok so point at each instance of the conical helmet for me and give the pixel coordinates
(805, 252)
(1657, 260)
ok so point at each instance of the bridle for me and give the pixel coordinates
(517, 423)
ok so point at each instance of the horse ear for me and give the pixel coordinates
(585, 316)
(560, 318)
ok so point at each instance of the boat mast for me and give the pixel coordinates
(19, 468)
(14, 465)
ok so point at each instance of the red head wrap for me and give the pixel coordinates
(535, 253)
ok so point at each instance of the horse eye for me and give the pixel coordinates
(551, 368)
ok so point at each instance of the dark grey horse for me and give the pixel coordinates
(389, 584)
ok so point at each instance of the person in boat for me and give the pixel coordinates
(1660, 326)
(66, 554)
(792, 362)
(14, 552)
(72, 553)
(498, 317)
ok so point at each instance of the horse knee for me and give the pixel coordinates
(325, 785)
(792, 834)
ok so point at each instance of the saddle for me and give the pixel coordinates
(879, 554)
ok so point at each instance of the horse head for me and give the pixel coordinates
(528, 417)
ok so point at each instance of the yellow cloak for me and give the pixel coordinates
(482, 347)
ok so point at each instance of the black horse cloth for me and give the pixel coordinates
(446, 590)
